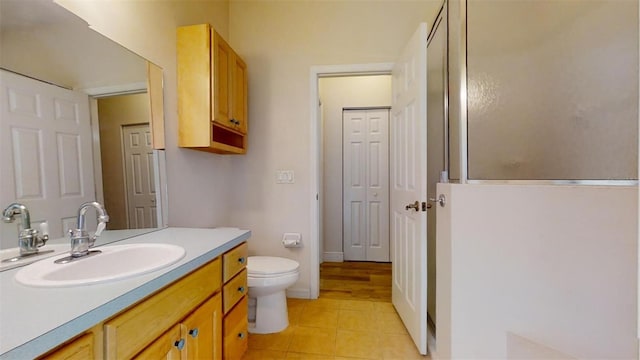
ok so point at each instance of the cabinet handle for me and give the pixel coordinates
(193, 332)
(241, 289)
(241, 335)
(242, 260)
(179, 344)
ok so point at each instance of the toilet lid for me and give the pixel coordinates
(270, 265)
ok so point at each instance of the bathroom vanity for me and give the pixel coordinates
(195, 308)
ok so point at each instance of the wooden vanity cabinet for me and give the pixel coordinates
(200, 316)
(212, 92)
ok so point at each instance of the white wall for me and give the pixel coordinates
(280, 41)
(337, 93)
(538, 270)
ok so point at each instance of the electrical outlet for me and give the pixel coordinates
(285, 177)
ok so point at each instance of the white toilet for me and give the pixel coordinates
(268, 277)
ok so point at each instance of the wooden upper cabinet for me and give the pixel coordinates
(212, 92)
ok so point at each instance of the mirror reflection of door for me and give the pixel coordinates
(138, 174)
(127, 161)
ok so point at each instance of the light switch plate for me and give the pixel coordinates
(285, 177)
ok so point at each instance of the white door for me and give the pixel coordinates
(366, 185)
(138, 163)
(409, 186)
(46, 159)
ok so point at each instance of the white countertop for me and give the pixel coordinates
(35, 320)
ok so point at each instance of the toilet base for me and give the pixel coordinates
(271, 314)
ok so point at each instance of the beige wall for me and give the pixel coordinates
(280, 41)
(335, 94)
(198, 183)
(113, 113)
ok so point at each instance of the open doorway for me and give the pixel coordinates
(126, 160)
(355, 103)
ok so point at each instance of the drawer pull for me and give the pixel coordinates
(179, 344)
(193, 332)
(242, 260)
(241, 335)
(241, 289)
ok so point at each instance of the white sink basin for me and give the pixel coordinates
(15, 260)
(115, 262)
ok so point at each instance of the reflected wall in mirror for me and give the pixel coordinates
(75, 123)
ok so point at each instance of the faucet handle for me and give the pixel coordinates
(44, 229)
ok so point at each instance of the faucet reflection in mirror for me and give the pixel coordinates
(29, 240)
(80, 239)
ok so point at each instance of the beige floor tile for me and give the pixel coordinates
(384, 307)
(390, 323)
(361, 305)
(359, 344)
(278, 341)
(301, 356)
(294, 314)
(310, 340)
(324, 303)
(254, 354)
(319, 317)
(357, 320)
(399, 347)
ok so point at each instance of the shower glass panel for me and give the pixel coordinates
(552, 90)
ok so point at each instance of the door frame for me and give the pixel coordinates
(159, 157)
(315, 152)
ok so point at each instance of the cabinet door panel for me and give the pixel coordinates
(221, 62)
(164, 347)
(203, 331)
(239, 88)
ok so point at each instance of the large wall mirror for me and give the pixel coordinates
(81, 120)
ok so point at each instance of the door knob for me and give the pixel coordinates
(440, 200)
(415, 206)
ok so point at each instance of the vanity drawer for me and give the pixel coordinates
(234, 260)
(134, 329)
(234, 290)
(235, 331)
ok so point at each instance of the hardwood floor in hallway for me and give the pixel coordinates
(356, 281)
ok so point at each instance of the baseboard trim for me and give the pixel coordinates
(299, 293)
(333, 256)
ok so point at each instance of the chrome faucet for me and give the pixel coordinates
(29, 240)
(80, 239)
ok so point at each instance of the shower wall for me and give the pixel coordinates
(552, 89)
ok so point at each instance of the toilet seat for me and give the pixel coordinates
(269, 266)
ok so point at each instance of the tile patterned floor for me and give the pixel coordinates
(344, 323)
